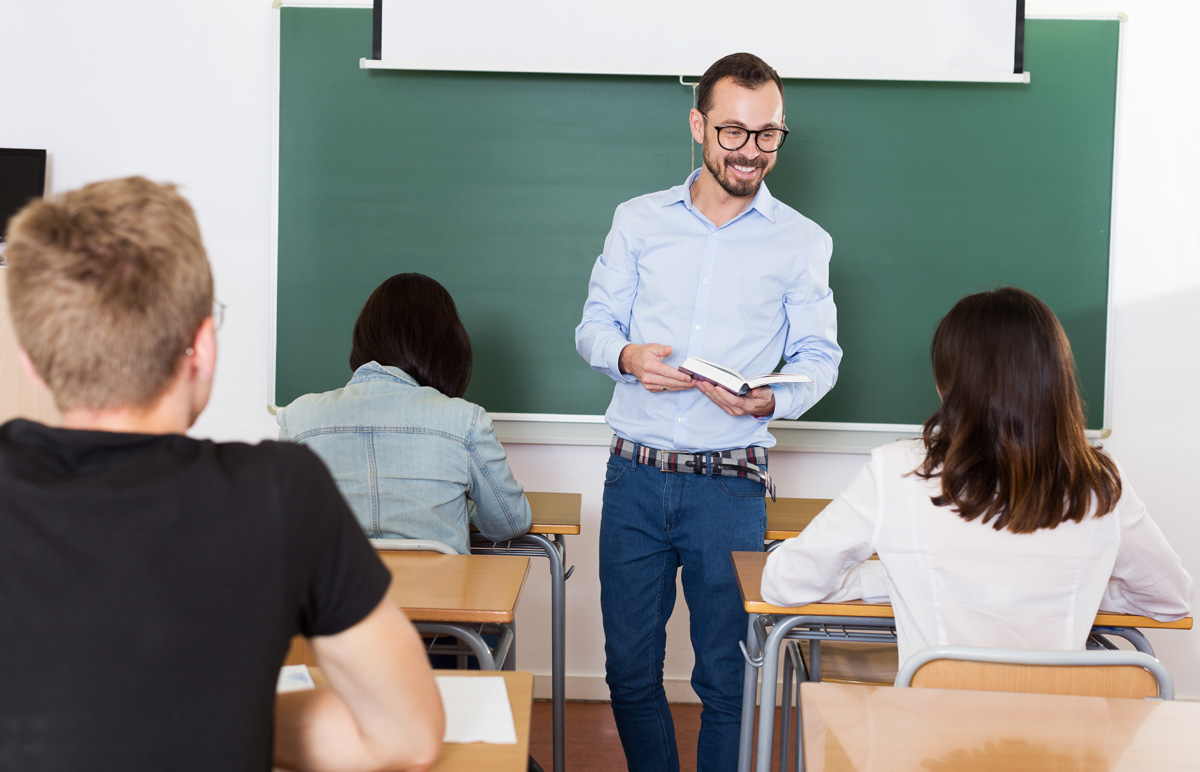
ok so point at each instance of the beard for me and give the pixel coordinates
(719, 169)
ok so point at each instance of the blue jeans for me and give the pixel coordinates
(651, 523)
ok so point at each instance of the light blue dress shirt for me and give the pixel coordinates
(407, 458)
(746, 294)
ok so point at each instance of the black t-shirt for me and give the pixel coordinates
(149, 586)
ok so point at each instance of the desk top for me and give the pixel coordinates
(749, 567)
(470, 757)
(432, 587)
(555, 512)
(788, 517)
(866, 728)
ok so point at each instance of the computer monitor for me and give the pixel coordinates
(22, 178)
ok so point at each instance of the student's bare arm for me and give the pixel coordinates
(381, 709)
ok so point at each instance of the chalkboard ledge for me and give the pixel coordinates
(799, 436)
(807, 436)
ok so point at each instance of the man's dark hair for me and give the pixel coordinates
(747, 71)
(410, 322)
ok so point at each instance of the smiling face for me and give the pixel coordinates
(739, 172)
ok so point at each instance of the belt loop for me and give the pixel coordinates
(633, 459)
(708, 466)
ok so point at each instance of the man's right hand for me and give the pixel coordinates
(645, 362)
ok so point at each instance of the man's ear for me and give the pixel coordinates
(696, 122)
(203, 357)
(30, 371)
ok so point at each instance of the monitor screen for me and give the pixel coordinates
(22, 177)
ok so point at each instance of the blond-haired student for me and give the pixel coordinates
(150, 582)
(1001, 527)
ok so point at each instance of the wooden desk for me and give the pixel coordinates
(788, 517)
(445, 593)
(555, 512)
(749, 567)
(432, 587)
(553, 515)
(847, 621)
(472, 757)
(878, 728)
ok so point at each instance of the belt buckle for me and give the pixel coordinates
(663, 457)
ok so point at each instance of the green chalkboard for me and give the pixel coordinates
(502, 187)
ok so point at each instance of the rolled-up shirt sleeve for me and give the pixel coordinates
(604, 329)
(811, 347)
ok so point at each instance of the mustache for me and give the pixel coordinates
(741, 160)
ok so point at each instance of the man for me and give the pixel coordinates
(714, 268)
(150, 582)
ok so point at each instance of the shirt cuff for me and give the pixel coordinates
(614, 357)
(789, 399)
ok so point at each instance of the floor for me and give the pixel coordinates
(592, 744)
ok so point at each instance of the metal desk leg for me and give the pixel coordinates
(473, 640)
(1131, 634)
(558, 645)
(793, 674)
(554, 550)
(749, 692)
(766, 700)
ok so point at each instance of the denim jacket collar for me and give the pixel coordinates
(373, 371)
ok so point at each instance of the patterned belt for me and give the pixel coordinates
(741, 462)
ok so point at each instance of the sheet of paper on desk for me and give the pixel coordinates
(477, 710)
(293, 678)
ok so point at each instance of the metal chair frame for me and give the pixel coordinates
(1090, 658)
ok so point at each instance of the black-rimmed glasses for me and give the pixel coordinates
(736, 137)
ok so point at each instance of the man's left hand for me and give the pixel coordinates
(758, 402)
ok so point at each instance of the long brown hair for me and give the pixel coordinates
(1008, 440)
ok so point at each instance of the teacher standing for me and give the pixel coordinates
(719, 269)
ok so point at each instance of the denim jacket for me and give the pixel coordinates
(407, 458)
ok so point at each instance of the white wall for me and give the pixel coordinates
(184, 92)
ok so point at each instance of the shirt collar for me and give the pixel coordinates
(763, 201)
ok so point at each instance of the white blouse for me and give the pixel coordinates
(953, 582)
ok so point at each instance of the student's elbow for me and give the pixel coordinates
(1179, 604)
(417, 748)
(524, 518)
(507, 522)
(424, 750)
(784, 584)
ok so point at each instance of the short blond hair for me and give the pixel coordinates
(107, 286)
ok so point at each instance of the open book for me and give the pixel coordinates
(732, 380)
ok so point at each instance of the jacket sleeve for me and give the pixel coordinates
(501, 510)
(1148, 577)
(826, 561)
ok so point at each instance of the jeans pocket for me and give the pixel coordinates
(615, 470)
(741, 487)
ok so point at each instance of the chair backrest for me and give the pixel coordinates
(1105, 673)
(414, 545)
